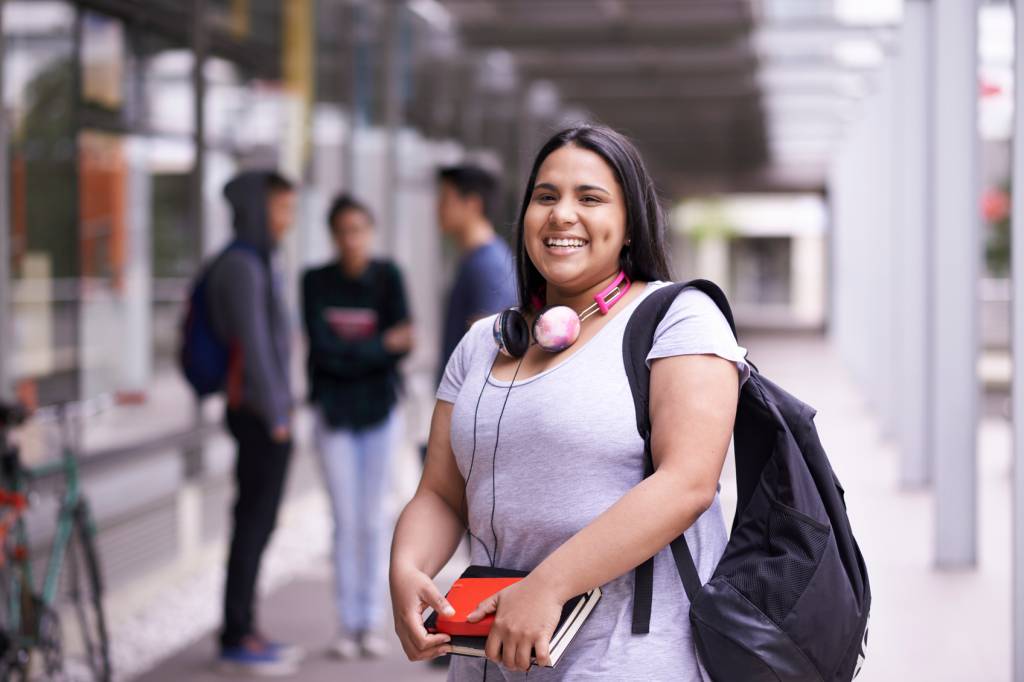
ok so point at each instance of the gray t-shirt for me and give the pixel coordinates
(569, 450)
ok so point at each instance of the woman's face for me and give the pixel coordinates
(353, 235)
(575, 223)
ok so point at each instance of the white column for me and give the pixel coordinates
(957, 251)
(1017, 319)
(911, 212)
(135, 364)
(881, 253)
(808, 257)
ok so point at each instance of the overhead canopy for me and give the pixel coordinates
(718, 94)
(679, 76)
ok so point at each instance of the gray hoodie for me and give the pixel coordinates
(247, 308)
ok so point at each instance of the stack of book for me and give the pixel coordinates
(476, 584)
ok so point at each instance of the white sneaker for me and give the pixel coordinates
(374, 645)
(345, 648)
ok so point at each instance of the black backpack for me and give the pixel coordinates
(789, 599)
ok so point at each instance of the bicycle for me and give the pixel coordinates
(33, 622)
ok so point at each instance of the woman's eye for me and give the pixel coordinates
(544, 198)
(590, 200)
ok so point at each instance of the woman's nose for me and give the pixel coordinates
(563, 214)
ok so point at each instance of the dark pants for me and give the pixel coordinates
(260, 472)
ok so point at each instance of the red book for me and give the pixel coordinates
(465, 595)
(476, 584)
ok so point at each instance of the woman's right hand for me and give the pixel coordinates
(412, 591)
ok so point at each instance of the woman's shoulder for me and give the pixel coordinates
(689, 299)
(480, 335)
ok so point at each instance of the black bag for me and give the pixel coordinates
(789, 600)
(202, 355)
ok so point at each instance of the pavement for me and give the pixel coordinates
(926, 624)
(300, 611)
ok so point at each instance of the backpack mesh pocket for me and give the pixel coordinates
(774, 580)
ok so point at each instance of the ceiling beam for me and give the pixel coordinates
(583, 33)
(629, 59)
(642, 95)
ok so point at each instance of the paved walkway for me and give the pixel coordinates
(926, 624)
(300, 611)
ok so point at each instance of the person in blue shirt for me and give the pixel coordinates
(485, 282)
(486, 279)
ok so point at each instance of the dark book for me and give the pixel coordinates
(574, 613)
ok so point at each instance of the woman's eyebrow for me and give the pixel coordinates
(579, 188)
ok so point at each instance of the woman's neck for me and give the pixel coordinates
(576, 299)
(354, 268)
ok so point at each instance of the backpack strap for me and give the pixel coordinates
(636, 344)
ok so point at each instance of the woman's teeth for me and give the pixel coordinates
(565, 242)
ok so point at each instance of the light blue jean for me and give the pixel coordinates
(355, 466)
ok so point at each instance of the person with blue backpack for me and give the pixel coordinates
(236, 342)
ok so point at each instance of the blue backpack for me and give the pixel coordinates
(203, 355)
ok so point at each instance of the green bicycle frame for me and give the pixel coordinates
(69, 507)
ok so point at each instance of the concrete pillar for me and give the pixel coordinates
(881, 253)
(956, 256)
(808, 257)
(1017, 335)
(912, 221)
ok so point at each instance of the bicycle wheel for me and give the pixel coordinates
(85, 591)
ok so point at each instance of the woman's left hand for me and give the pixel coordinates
(526, 615)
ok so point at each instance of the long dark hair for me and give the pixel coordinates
(645, 259)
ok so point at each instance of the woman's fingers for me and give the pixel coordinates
(523, 655)
(492, 647)
(416, 641)
(413, 653)
(442, 650)
(433, 598)
(419, 636)
(542, 649)
(489, 605)
(508, 655)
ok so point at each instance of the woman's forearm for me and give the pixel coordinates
(427, 534)
(632, 530)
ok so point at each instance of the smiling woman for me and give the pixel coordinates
(588, 197)
(550, 480)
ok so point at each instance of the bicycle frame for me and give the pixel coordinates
(17, 479)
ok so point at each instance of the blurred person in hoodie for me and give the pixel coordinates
(248, 314)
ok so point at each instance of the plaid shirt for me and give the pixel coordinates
(353, 379)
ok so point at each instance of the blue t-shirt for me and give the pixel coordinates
(484, 285)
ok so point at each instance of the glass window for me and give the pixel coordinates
(140, 249)
(38, 100)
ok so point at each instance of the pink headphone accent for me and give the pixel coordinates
(556, 327)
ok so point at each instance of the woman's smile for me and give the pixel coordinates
(565, 246)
